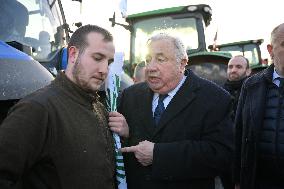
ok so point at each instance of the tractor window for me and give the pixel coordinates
(184, 28)
(248, 50)
(234, 50)
(14, 20)
(251, 54)
(33, 23)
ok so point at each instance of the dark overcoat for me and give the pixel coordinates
(193, 140)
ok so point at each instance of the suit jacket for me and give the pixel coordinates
(193, 141)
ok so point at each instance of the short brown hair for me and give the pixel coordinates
(78, 39)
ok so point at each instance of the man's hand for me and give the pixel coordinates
(143, 152)
(118, 124)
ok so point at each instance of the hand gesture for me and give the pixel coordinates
(143, 152)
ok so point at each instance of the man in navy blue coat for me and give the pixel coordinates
(259, 160)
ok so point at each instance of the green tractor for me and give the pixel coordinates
(186, 22)
(249, 49)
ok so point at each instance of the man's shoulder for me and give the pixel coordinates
(137, 88)
(255, 79)
(260, 77)
(211, 87)
(134, 94)
(41, 96)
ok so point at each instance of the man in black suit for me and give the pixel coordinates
(176, 127)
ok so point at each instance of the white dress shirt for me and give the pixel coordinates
(168, 99)
(275, 78)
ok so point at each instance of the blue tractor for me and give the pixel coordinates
(32, 35)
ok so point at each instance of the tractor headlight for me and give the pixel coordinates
(207, 9)
(192, 8)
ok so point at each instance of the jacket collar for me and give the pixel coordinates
(73, 91)
(184, 96)
(234, 85)
(266, 74)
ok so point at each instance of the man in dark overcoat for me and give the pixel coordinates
(176, 127)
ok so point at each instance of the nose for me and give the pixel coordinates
(234, 69)
(151, 65)
(103, 69)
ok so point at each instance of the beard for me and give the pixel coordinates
(79, 76)
(236, 76)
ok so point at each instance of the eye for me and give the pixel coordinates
(161, 59)
(97, 58)
(110, 61)
(148, 59)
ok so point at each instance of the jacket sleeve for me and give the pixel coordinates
(205, 157)
(22, 136)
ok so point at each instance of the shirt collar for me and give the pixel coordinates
(73, 91)
(275, 75)
(174, 91)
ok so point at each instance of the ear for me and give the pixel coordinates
(269, 49)
(72, 54)
(248, 72)
(183, 63)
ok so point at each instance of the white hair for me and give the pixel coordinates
(180, 51)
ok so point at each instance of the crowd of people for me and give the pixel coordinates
(178, 130)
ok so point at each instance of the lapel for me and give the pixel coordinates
(147, 119)
(184, 96)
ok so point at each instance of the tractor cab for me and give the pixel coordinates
(186, 22)
(249, 49)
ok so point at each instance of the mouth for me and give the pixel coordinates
(153, 79)
(233, 74)
(99, 79)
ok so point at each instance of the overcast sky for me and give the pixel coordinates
(235, 20)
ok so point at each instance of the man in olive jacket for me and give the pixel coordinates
(187, 144)
(58, 137)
